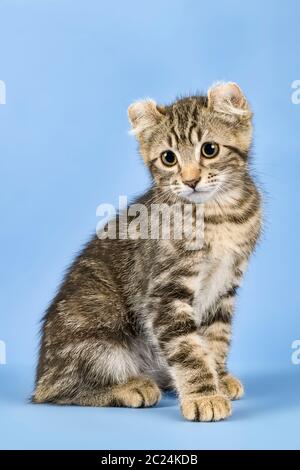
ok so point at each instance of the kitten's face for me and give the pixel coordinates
(197, 147)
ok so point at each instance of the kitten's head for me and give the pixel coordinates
(197, 147)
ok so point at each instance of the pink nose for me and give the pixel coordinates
(192, 183)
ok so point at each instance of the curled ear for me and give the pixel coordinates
(143, 114)
(228, 98)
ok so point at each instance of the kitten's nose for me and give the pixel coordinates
(192, 183)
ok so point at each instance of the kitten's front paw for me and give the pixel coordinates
(232, 387)
(206, 408)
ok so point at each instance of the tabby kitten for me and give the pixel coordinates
(136, 316)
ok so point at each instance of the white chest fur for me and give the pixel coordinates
(214, 279)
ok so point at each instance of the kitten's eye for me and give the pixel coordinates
(168, 158)
(209, 149)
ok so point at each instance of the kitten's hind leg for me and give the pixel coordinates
(231, 386)
(137, 392)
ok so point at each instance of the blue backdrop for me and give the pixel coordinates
(70, 69)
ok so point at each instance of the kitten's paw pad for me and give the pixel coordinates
(232, 387)
(206, 408)
(138, 394)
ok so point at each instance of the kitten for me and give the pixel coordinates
(136, 316)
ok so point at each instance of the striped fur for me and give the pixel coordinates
(136, 316)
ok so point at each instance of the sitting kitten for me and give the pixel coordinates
(134, 316)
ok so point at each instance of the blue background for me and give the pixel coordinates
(71, 68)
